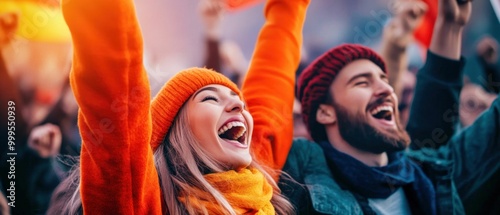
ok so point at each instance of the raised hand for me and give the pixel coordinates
(211, 12)
(46, 140)
(398, 35)
(487, 49)
(453, 12)
(408, 15)
(447, 36)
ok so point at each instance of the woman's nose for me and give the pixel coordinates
(235, 104)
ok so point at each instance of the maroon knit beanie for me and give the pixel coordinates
(314, 82)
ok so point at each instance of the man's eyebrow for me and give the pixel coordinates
(384, 75)
(365, 74)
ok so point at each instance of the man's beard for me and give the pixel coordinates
(361, 135)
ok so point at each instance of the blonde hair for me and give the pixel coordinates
(66, 198)
(181, 164)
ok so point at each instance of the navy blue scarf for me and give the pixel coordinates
(381, 182)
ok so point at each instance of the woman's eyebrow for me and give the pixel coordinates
(205, 88)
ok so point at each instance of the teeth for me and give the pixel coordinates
(239, 134)
(382, 108)
(231, 125)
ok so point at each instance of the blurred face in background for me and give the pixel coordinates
(474, 100)
(40, 69)
(408, 84)
(37, 53)
(40, 65)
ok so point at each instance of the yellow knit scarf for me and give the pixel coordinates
(246, 190)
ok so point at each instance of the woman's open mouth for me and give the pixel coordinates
(234, 131)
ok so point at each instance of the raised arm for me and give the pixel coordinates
(268, 88)
(434, 111)
(211, 12)
(396, 38)
(111, 87)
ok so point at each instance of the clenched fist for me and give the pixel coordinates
(46, 140)
(408, 15)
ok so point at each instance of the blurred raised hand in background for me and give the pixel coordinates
(224, 56)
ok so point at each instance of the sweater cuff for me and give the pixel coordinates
(442, 68)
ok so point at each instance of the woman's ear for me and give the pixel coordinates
(326, 114)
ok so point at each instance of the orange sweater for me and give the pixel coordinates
(268, 88)
(111, 87)
(118, 175)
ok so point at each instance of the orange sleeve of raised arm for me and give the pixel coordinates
(268, 88)
(118, 175)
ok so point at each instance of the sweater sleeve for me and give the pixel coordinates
(268, 87)
(434, 110)
(111, 87)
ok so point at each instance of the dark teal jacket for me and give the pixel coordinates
(433, 120)
(457, 166)
(462, 166)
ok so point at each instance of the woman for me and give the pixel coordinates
(197, 124)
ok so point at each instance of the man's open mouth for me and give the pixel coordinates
(383, 112)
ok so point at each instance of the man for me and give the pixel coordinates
(351, 113)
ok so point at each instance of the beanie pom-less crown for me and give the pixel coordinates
(172, 96)
(314, 82)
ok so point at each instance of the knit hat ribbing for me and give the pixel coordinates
(171, 97)
(314, 82)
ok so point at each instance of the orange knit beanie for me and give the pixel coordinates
(175, 92)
